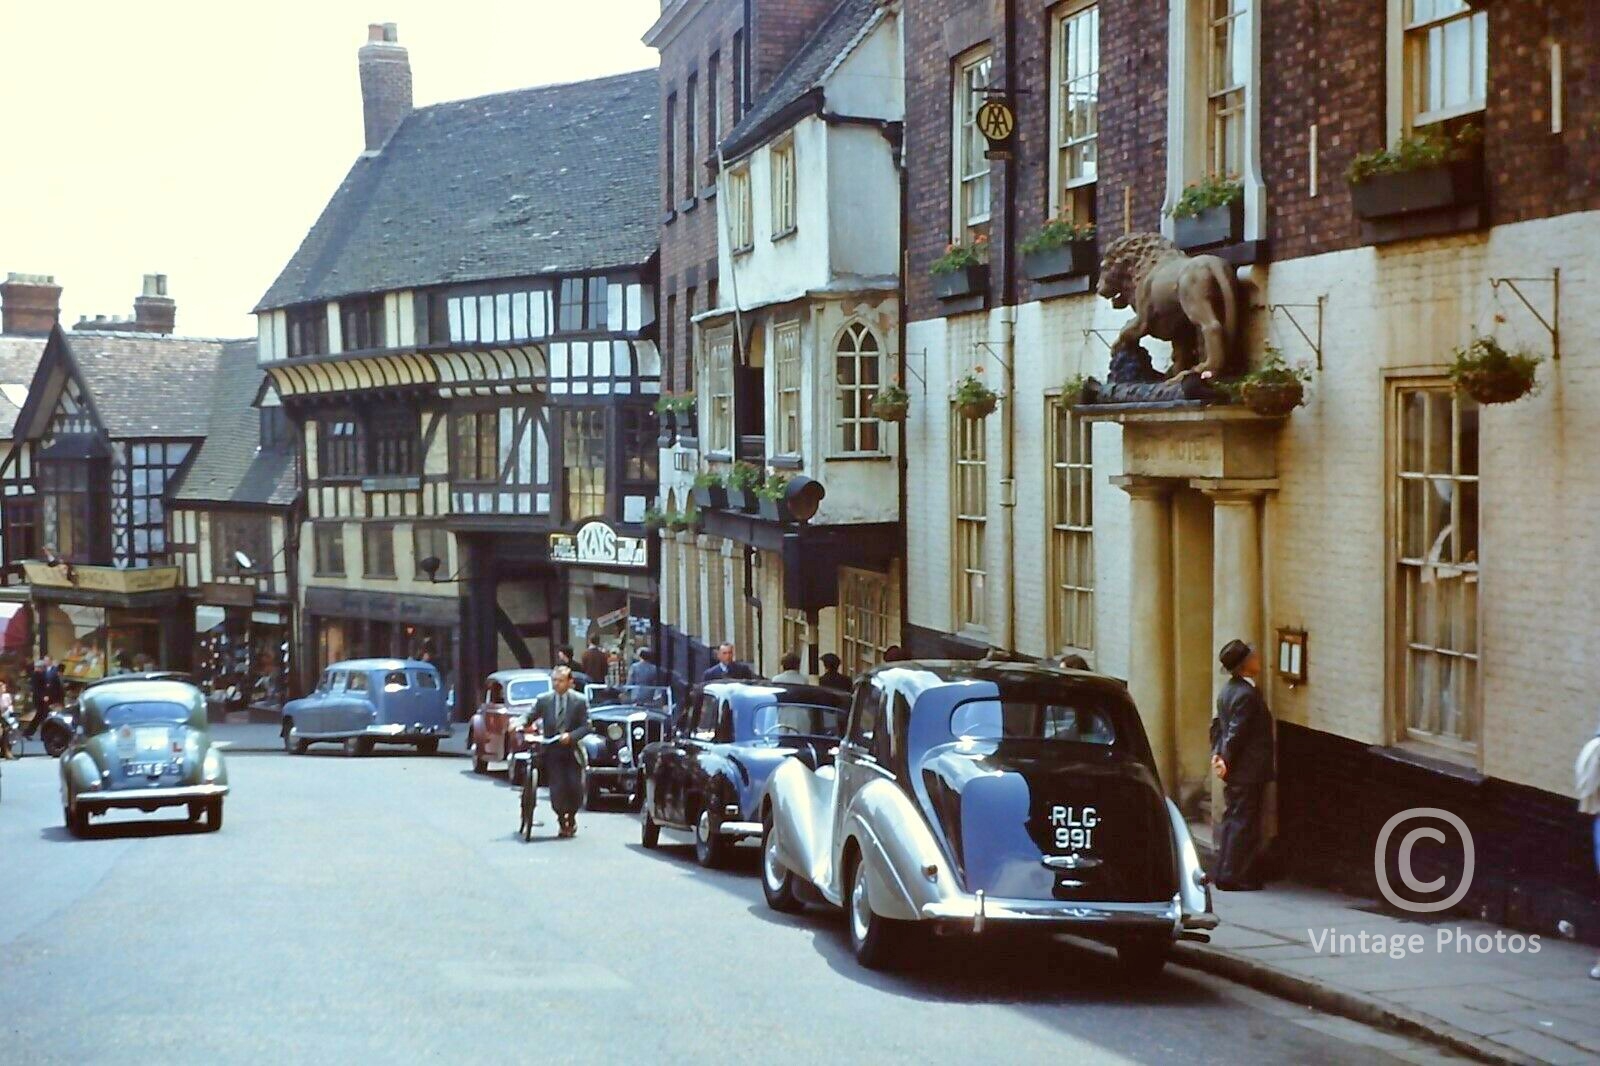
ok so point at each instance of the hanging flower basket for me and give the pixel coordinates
(891, 404)
(1489, 374)
(1072, 391)
(974, 399)
(1274, 399)
(981, 408)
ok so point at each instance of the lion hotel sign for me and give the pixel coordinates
(597, 544)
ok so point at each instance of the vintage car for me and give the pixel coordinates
(141, 743)
(707, 784)
(625, 721)
(966, 795)
(495, 733)
(363, 702)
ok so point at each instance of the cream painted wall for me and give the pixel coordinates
(864, 192)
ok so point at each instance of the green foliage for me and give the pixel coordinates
(1486, 359)
(774, 487)
(709, 479)
(744, 477)
(960, 256)
(1422, 151)
(677, 521)
(1214, 190)
(1057, 233)
(675, 404)
(1072, 388)
(654, 518)
(1274, 370)
(971, 390)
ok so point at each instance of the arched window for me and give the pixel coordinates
(858, 370)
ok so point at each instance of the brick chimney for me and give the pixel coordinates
(385, 83)
(153, 310)
(30, 304)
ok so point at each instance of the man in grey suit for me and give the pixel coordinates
(565, 715)
(1243, 756)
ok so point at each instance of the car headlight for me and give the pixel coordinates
(624, 755)
(614, 731)
(211, 768)
(638, 732)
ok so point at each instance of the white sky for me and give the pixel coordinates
(201, 139)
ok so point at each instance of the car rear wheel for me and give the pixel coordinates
(293, 742)
(649, 831)
(77, 821)
(214, 816)
(55, 737)
(480, 765)
(1143, 959)
(777, 880)
(710, 846)
(876, 940)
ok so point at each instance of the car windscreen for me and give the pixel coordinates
(145, 712)
(803, 719)
(526, 691)
(1027, 719)
(645, 695)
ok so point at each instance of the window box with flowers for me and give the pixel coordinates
(709, 491)
(1488, 373)
(963, 270)
(740, 485)
(677, 417)
(1428, 172)
(1060, 249)
(974, 399)
(1209, 214)
(770, 502)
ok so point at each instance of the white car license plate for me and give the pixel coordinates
(143, 769)
(1074, 828)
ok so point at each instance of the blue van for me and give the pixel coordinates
(362, 702)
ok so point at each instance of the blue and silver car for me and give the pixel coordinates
(142, 744)
(363, 702)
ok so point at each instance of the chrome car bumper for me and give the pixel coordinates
(615, 776)
(977, 911)
(416, 731)
(150, 797)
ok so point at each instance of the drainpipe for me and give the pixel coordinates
(1008, 336)
(897, 143)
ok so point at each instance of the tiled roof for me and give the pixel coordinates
(806, 71)
(558, 178)
(231, 467)
(19, 358)
(147, 384)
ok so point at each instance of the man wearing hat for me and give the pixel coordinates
(1243, 757)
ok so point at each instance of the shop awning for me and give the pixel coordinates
(16, 628)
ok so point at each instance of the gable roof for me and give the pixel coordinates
(231, 466)
(558, 178)
(799, 84)
(19, 360)
(138, 385)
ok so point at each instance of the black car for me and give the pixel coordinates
(625, 720)
(707, 784)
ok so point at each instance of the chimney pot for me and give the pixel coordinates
(154, 311)
(30, 304)
(385, 70)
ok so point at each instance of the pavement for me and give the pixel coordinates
(382, 908)
(1495, 1005)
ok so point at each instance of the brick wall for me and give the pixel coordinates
(689, 227)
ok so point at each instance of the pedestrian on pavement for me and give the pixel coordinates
(595, 662)
(646, 671)
(728, 667)
(1242, 755)
(48, 692)
(831, 677)
(565, 716)
(8, 721)
(1587, 774)
(580, 679)
(791, 674)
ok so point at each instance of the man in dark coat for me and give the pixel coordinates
(647, 671)
(565, 715)
(48, 693)
(830, 676)
(595, 662)
(728, 667)
(1242, 754)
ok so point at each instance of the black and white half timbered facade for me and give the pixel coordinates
(110, 423)
(465, 343)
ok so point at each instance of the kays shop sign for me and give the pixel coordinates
(597, 544)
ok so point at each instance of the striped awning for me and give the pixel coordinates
(485, 371)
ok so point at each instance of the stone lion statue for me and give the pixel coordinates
(1190, 301)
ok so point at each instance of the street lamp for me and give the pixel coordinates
(431, 565)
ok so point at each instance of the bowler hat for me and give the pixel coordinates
(1233, 654)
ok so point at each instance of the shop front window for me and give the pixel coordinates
(94, 642)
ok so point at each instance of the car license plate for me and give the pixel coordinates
(143, 769)
(1074, 828)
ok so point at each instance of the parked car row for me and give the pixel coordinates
(957, 796)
